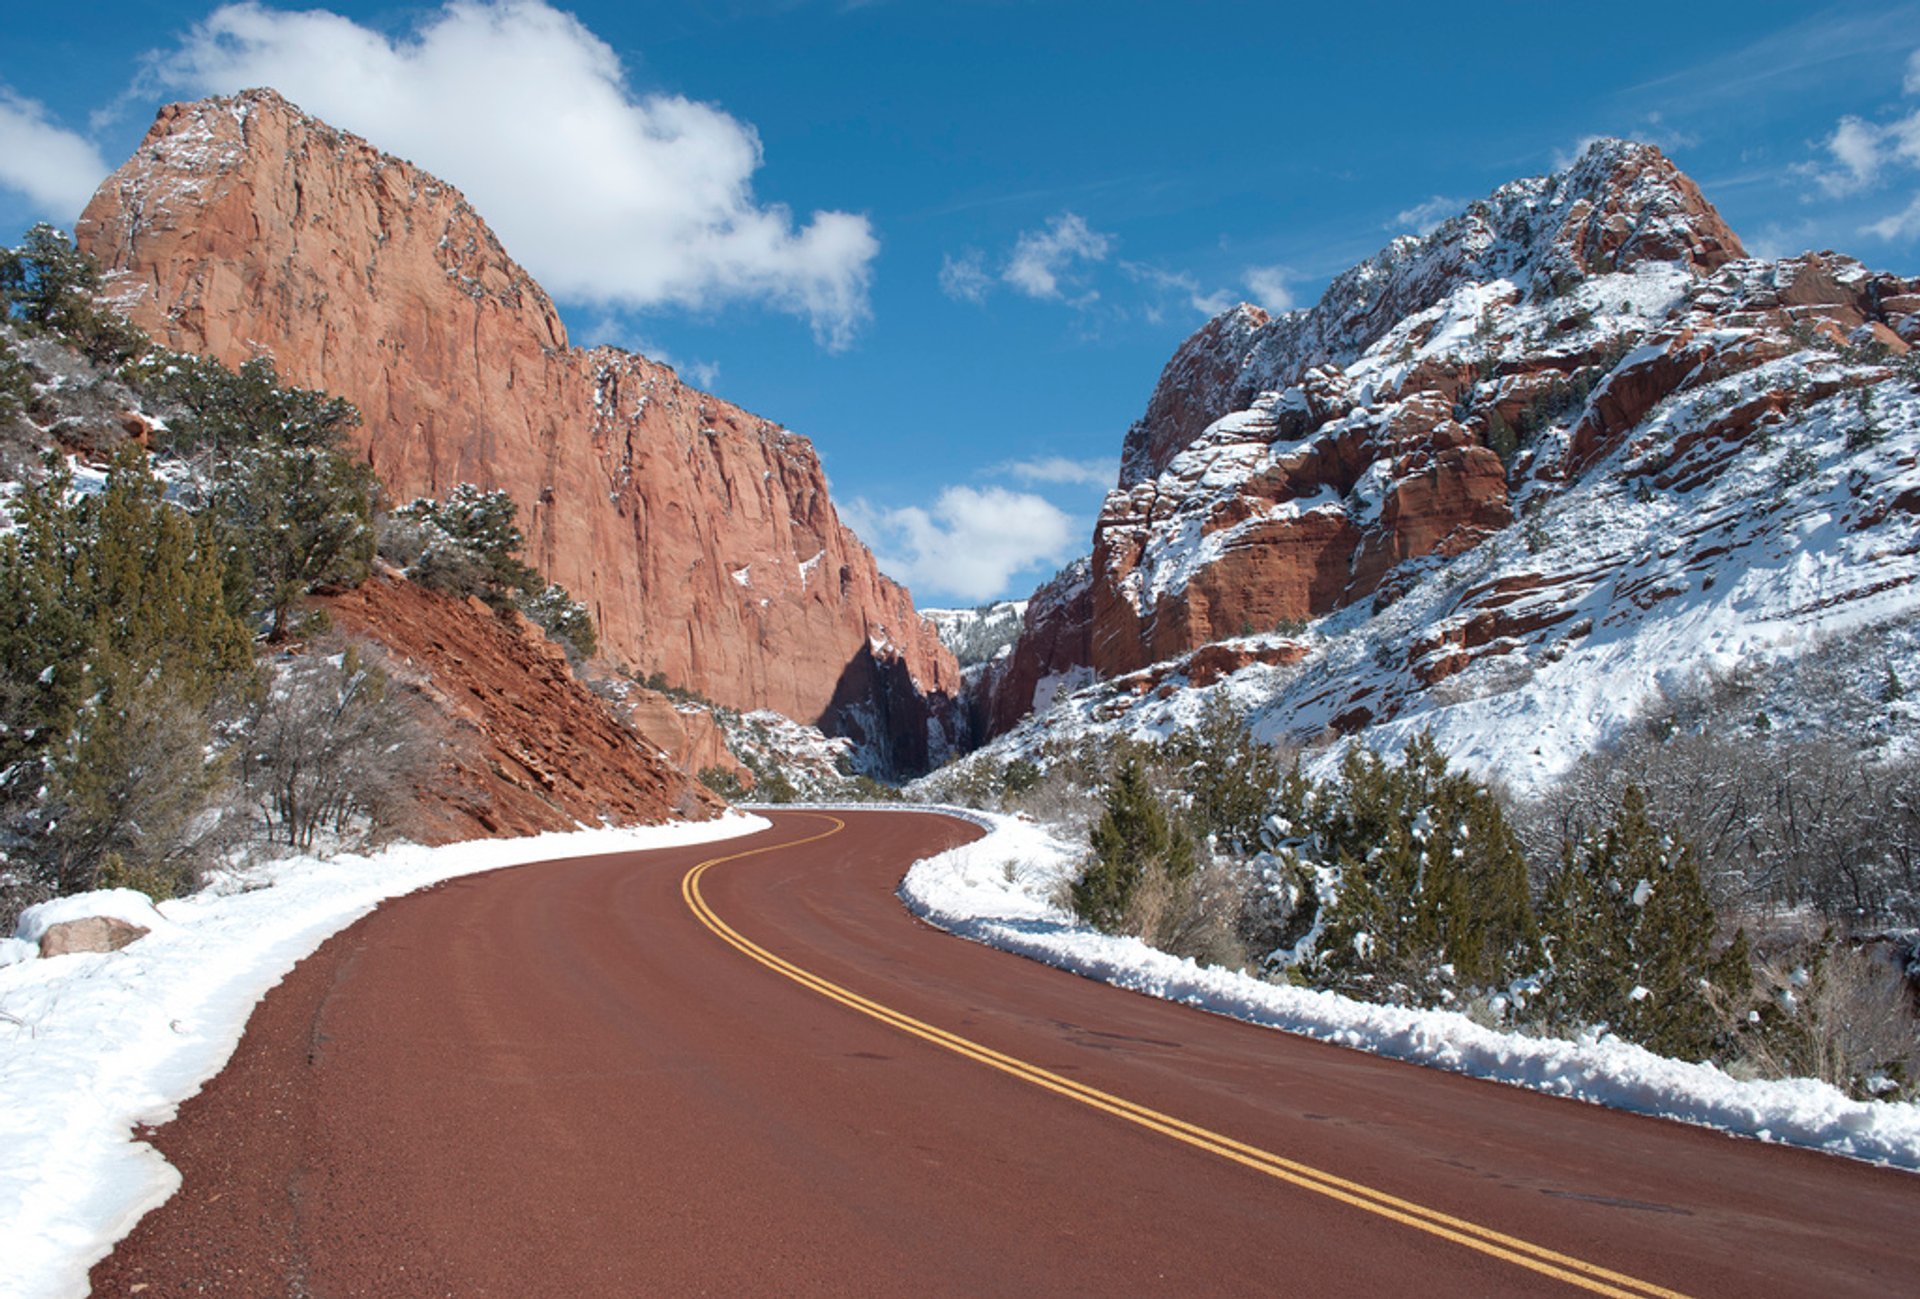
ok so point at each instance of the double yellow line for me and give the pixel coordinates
(1511, 1249)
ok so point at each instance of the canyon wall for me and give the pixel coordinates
(700, 536)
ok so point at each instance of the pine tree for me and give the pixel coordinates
(211, 409)
(1229, 777)
(1432, 895)
(48, 284)
(300, 519)
(1134, 839)
(1631, 939)
(482, 545)
(116, 641)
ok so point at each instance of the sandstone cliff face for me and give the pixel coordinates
(527, 747)
(700, 535)
(1444, 393)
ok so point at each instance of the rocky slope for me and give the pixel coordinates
(1571, 449)
(527, 747)
(701, 536)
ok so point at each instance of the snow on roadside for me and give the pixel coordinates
(997, 891)
(91, 1045)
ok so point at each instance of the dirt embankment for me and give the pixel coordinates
(526, 747)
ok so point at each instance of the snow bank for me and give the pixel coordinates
(996, 891)
(116, 904)
(91, 1045)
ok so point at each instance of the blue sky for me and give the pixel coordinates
(954, 243)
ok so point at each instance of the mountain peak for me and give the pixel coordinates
(1621, 203)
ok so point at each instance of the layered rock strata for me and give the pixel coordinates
(1442, 392)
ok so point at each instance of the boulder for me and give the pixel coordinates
(88, 934)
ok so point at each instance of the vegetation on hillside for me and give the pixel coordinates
(470, 544)
(1710, 898)
(152, 720)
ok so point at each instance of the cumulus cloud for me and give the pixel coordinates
(1423, 218)
(1043, 258)
(1855, 147)
(1912, 83)
(1101, 472)
(56, 168)
(1268, 285)
(608, 196)
(970, 544)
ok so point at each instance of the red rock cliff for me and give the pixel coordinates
(700, 535)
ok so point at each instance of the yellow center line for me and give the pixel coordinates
(1537, 1258)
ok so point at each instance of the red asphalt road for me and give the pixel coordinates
(555, 1080)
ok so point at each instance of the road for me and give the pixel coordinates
(743, 1068)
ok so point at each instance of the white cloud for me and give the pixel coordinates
(965, 278)
(1862, 154)
(1101, 472)
(1268, 285)
(606, 195)
(1179, 286)
(1422, 218)
(1901, 225)
(56, 168)
(970, 544)
(1043, 258)
(1855, 146)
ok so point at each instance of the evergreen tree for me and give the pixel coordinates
(297, 511)
(1133, 841)
(1229, 777)
(48, 284)
(116, 642)
(1631, 935)
(1432, 885)
(212, 409)
(16, 381)
(299, 519)
(479, 545)
(564, 618)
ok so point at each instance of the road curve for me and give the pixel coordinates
(630, 1075)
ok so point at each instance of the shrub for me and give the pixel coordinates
(725, 783)
(332, 746)
(1836, 1013)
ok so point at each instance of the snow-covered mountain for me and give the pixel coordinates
(1512, 482)
(976, 635)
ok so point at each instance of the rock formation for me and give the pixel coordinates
(700, 536)
(1441, 393)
